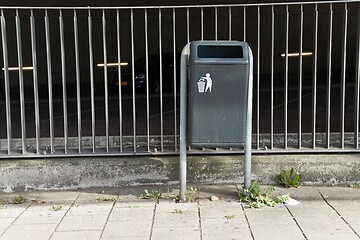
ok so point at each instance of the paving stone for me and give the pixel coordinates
(12, 210)
(176, 220)
(228, 236)
(78, 235)
(345, 205)
(126, 238)
(29, 232)
(127, 229)
(132, 219)
(217, 226)
(184, 233)
(92, 197)
(352, 218)
(82, 223)
(132, 214)
(171, 206)
(133, 198)
(340, 193)
(323, 235)
(40, 217)
(310, 204)
(302, 193)
(220, 209)
(48, 206)
(87, 208)
(312, 209)
(323, 224)
(282, 230)
(57, 196)
(135, 203)
(221, 191)
(273, 217)
(5, 223)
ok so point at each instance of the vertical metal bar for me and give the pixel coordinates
(314, 87)
(133, 75)
(105, 81)
(35, 78)
(183, 112)
(248, 136)
(187, 24)
(230, 27)
(63, 74)
(216, 23)
(300, 75)
(147, 82)
(272, 79)
(258, 81)
(357, 85)
(91, 69)
(21, 82)
(286, 77)
(161, 85)
(78, 95)
(49, 75)
(343, 75)
(202, 23)
(244, 23)
(119, 78)
(7, 83)
(328, 84)
(175, 82)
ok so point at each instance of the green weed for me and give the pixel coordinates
(190, 196)
(178, 211)
(289, 179)
(107, 199)
(19, 199)
(2, 204)
(56, 208)
(155, 195)
(257, 198)
(355, 185)
(131, 207)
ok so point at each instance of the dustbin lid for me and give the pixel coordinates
(219, 52)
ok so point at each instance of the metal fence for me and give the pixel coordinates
(104, 81)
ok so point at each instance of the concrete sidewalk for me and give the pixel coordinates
(324, 213)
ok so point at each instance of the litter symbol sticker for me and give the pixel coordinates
(204, 83)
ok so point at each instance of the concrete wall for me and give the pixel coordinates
(74, 173)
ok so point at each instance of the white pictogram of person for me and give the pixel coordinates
(205, 81)
(208, 82)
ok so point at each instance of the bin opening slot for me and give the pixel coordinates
(219, 51)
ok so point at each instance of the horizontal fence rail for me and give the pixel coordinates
(88, 81)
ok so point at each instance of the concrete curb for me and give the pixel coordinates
(75, 173)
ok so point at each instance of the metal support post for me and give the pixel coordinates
(183, 110)
(247, 157)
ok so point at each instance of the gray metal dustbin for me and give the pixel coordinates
(218, 93)
(219, 111)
